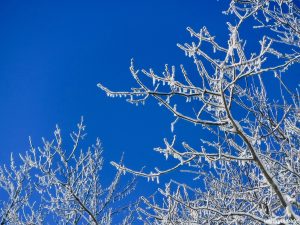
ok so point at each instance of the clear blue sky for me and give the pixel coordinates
(53, 54)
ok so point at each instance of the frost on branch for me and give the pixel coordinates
(247, 168)
(63, 185)
(282, 18)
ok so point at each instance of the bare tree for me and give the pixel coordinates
(55, 184)
(247, 169)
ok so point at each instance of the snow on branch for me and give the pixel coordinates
(248, 161)
(57, 183)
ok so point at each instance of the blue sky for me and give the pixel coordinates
(53, 54)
